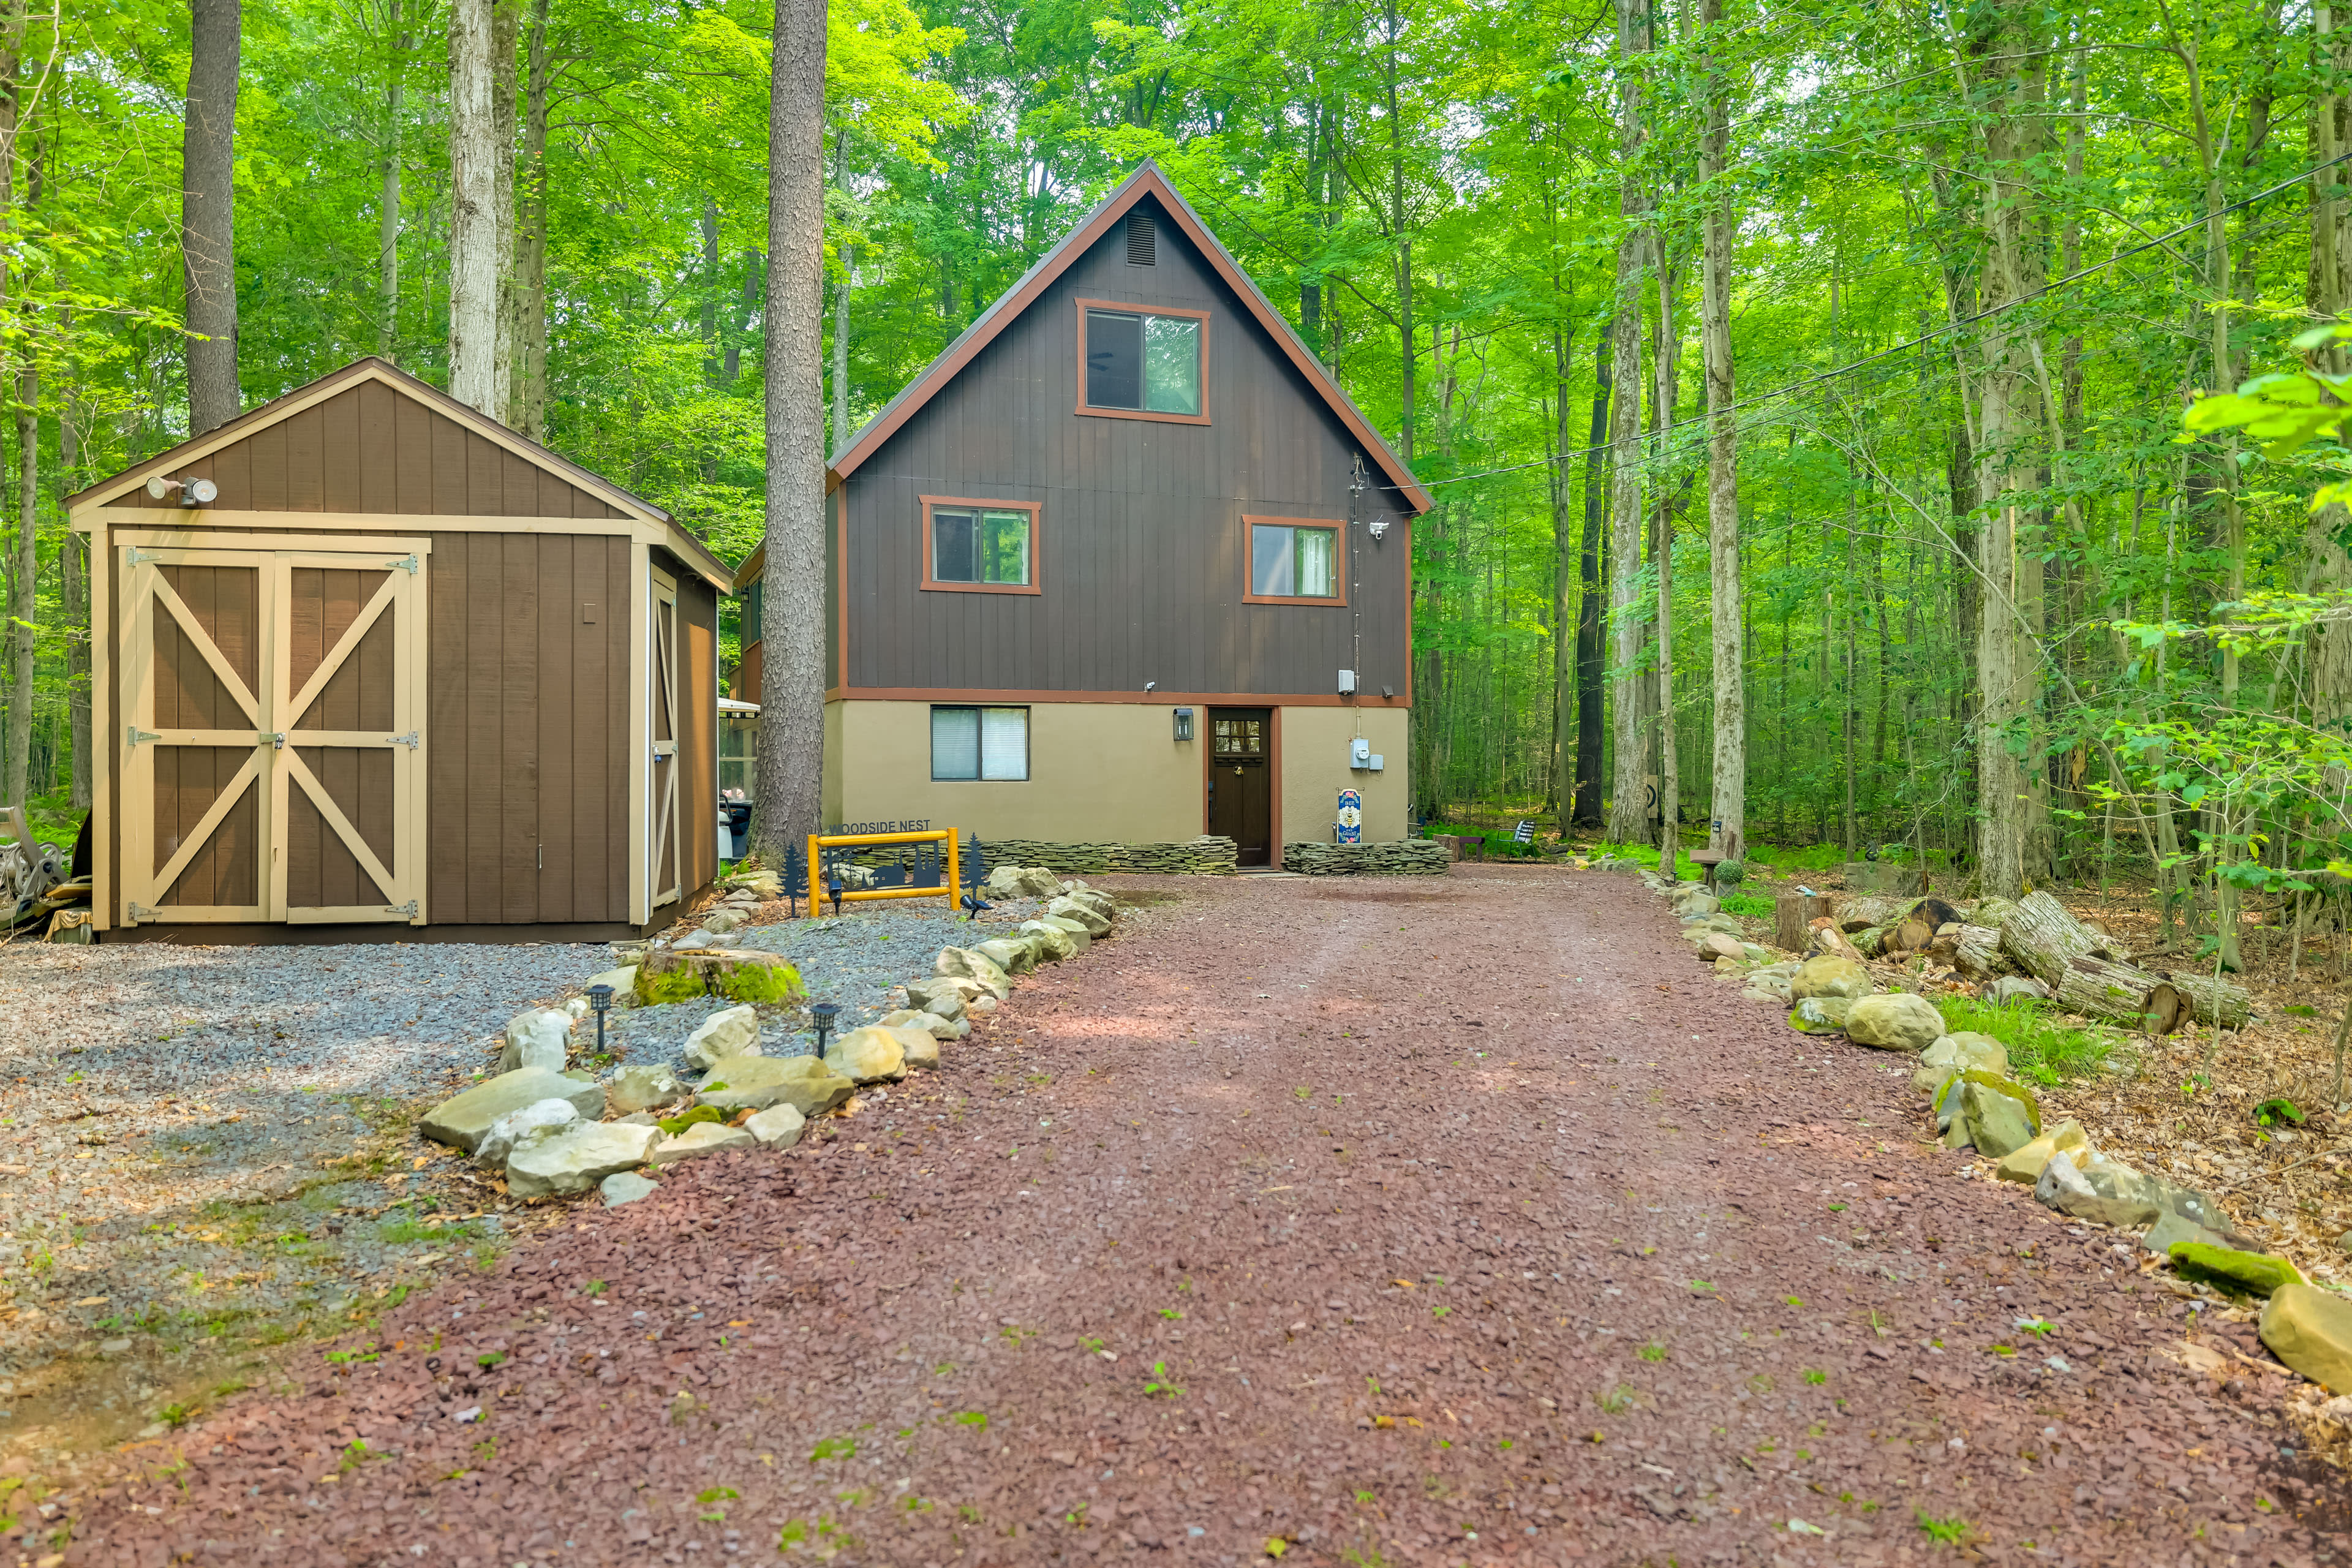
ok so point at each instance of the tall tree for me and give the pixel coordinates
(1591, 661)
(387, 241)
(475, 156)
(1727, 819)
(530, 240)
(208, 213)
(1628, 820)
(24, 555)
(792, 681)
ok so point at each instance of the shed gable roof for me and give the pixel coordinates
(1146, 180)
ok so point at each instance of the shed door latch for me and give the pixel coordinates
(410, 740)
(138, 734)
(277, 738)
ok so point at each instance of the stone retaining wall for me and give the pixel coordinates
(1206, 856)
(1404, 858)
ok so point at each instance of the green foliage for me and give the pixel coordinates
(2039, 1048)
(763, 982)
(674, 1125)
(681, 983)
(1747, 906)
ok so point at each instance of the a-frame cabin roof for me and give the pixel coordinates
(440, 413)
(1146, 180)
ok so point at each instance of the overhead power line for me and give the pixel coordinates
(1945, 331)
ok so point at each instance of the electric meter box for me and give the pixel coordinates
(1359, 753)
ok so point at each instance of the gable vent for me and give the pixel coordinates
(1142, 240)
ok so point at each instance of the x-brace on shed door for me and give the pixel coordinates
(273, 764)
(663, 844)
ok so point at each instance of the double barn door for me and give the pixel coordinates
(274, 736)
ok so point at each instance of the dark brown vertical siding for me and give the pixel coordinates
(1143, 563)
(697, 719)
(369, 448)
(554, 721)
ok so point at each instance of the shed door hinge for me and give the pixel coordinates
(408, 909)
(409, 740)
(407, 564)
(135, 556)
(139, 911)
(138, 734)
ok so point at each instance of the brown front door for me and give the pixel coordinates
(1241, 780)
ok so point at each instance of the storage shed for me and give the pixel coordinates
(367, 665)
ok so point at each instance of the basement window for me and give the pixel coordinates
(1144, 364)
(980, 742)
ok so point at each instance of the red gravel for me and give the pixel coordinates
(1429, 1222)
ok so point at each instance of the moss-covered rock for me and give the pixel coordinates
(2239, 1273)
(679, 983)
(761, 983)
(674, 1125)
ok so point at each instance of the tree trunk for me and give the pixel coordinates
(24, 555)
(474, 183)
(506, 26)
(208, 212)
(1589, 664)
(710, 290)
(747, 303)
(1628, 821)
(24, 578)
(1404, 244)
(792, 619)
(531, 240)
(73, 580)
(840, 347)
(1727, 818)
(1667, 363)
(387, 220)
(1561, 788)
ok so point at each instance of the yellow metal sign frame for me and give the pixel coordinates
(817, 841)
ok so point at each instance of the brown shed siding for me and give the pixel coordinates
(697, 724)
(370, 450)
(1142, 555)
(528, 792)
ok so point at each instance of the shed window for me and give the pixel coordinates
(980, 742)
(1288, 562)
(980, 545)
(1150, 363)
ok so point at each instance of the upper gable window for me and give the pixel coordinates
(1144, 364)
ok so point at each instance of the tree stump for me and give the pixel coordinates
(1792, 918)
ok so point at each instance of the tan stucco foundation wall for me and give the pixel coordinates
(1099, 771)
(1315, 770)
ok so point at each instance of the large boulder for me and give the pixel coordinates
(536, 1039)
(462, 1121)
(624, 981)
(1004, 882)
(778, 1126)
(510, 1129)
(1820, 1014)
(1084, 911)
(1050, 943)
(1967, 1051)
(940, 998)
(2024, 1163)
(733, 1033)
(642, 1088)
(1896, 1022)
(1826, 975)
(931, 1024)
(1011, 954)
(2311, 1331)
(970, 963)
(755, 1083)
(917, 1047)
(739, 973)
(1076, 930)
(1995, 1115)
(870, 1055)
(702, 1138)
(555, 1161)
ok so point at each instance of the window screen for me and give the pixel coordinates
(1288, 563)
(1148, 363)
(972, 544)
(980, 742)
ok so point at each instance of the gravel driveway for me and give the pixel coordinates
(1415, 1221)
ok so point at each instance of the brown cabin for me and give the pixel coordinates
(370, 665)
(1123, 564)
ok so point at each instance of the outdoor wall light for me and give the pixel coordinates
(1183, 724)
(192, 493)
(825, 1012)
(600, 1001)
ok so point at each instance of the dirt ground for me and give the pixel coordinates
(1455, 1221)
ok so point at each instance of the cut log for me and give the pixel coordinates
(2167, 1005)
(1792, 917)
(1937, 913)
(2044, 939)
(2083, 976)
(2215, 1003)
(1860, 913)
(1913, 935)
(1974, 950)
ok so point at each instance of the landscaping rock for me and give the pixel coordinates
(969, 963)
(1826, 975)
(740, 975)
(509, 1130)
(869, 1055)
(1700, 904)
(2311, 1331)
(642, 1088)
(2171, 1228)
(1051, 944)
(2007, 988)
(2241, 1273)
(725, 919)
(1011, 956)
(941, 998)
(778, 1126)
(2024, 1163)
(1819, 1014)
(1965, 1052)
(462, 1121)
(1076, 930)
(917, 1047)
(1773, 986)
(1084, 911)
(536, 1039)
(1896, 1022)
(755, 1083)
(1999, 1120)
(702, 1138)
(733, 1033)
(555, 1161)
(939, 1029)
(2119, 1195)
(625, 1187)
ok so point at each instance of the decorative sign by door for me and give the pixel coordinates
(1351, 817)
